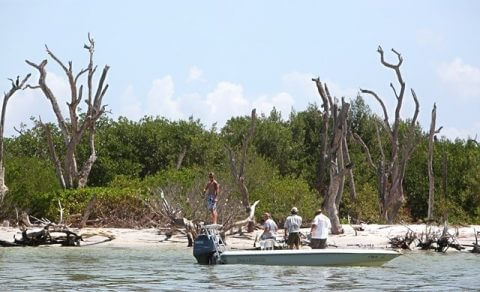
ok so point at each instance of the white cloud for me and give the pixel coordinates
(195, 74)
(428, 38)
(462, 133)
(160, 99)
(300, 83)
(227, 100)
(463, 79)
(282, 101)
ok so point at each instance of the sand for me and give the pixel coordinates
(373, 236)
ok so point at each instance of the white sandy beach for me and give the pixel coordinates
(374, 235)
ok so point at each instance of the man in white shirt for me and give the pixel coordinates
(320, 227)
(292, 229)
(269, 227)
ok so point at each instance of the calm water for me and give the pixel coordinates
(146, 269)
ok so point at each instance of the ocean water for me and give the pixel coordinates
(174, 269)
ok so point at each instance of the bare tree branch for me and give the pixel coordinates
(367, 151)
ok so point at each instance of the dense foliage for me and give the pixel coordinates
(135, 158)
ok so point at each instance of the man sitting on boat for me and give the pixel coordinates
(319, 231)
(292, 229)
(269, 228)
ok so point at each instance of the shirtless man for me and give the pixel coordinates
(212, 189)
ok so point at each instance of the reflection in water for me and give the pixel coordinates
(104, 268)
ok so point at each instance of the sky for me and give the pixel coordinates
(216, 59)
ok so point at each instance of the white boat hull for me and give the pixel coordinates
(310, 257)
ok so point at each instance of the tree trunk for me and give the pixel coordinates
(16, 85)
(332, 150)
(431, 179)
(3, 187)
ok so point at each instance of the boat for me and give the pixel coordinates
(209, 249)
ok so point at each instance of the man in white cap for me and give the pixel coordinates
(320, 227)
(292, 229)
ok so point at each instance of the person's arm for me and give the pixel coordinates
(266, 227)
(205, 189)
(314, 224)
(285, 227)
(217, 191)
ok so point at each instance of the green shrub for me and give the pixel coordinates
(27, 178)
(279, 195)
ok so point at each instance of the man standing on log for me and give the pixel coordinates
(212, 189)
(320, 226)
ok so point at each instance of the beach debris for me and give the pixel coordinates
(403, 242)
(48, 235)
(177, 222)
(107, 235)
(41, 231)
(433, 238)
(476, 245)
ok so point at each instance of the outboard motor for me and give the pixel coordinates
(208, 246)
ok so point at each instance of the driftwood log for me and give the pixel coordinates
(476, 245)
(403, 242)
(430, 239)
(48, 235)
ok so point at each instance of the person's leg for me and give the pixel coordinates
(323, 243)
(290, 241)
(297, 241)
(314, 243)
(214, 216)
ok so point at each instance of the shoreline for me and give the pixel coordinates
(373, 236)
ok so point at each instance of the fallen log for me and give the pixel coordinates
(403, 242)
(48, 235)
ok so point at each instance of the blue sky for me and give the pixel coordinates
(217, 59)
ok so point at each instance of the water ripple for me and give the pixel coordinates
(147, 269)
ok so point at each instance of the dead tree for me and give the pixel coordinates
(16, 85)
(239, 173)
(176, 221)
(333, 154)
(391, 170)
(431, 179)
(75, 128)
